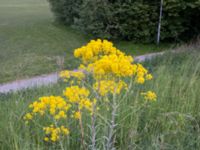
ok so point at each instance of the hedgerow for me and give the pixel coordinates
(131, 19)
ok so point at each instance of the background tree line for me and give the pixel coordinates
(135, 20)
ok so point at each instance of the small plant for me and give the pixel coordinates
(99, 85)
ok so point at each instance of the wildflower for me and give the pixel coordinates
(66, 74)
(151, 96)
(149, 77)
(64, 130)
(56, 106)
(109, 86)
(140, 80)
(95, 49)
(62, 114)
(28, 116)
(85, 103)
(55, 133)
(46, 139)
(115, 65)
(76, 93)
(77, 115)
(108, 68)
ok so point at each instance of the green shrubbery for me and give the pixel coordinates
(130, 19)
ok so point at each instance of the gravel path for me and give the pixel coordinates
(50, 78)
(29, 83)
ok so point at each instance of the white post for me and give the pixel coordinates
(159, 22)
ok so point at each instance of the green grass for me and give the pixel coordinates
(171, 123)
(31, 43)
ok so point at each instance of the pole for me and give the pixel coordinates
(159, 22)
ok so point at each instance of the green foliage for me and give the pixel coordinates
(180, 19)
(66, 10)
(95, 18)
(131, 19)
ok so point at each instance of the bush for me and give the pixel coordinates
(66, 10)
(131, 19)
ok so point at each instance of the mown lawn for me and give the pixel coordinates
(31, 43)
(171, 123)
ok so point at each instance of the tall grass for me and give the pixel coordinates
(173, 122)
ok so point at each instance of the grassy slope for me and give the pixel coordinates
(170, 123)
(31, 43)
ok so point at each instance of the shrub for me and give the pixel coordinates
(66, 10)
(131, 19)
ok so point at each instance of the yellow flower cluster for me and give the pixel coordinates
(28, 116)
(142, 74)
(78, 95)
(115, 65)
(95, 49)
(77, 115)
(109, 86)
(55, 133)
(56, 106)
(66, 74)
(151, 96)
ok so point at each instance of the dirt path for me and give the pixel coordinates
(50, 78)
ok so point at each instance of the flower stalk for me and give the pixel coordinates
(82, 131)
(93, 127)
(111, 133)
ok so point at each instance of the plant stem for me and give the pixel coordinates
(60, 142)
(93, 127)
(111, 140)
(61, 145)
(82, 131)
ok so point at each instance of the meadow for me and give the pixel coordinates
(33, 43)
(171, 123)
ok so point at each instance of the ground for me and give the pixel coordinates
(32, 43)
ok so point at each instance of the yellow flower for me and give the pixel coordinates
(77, 115)
(28, 116)
(52, 105)
(109, 86)
(64, 130)
(55, 133)
(115, 65)
(62, 114)
(149, 77)
(151, 96)
(85, 103)
(76, 93)
(95, 49)
(46, 139)
(66, 74)
(140, 80)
